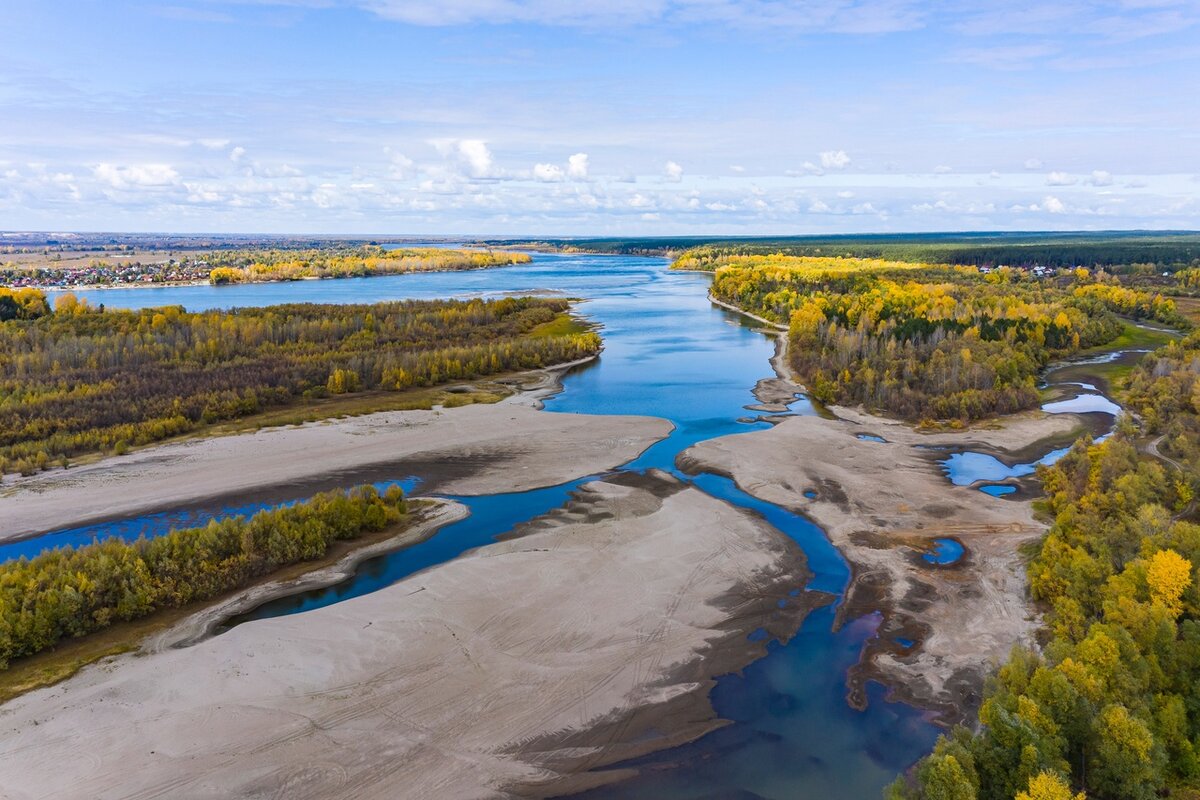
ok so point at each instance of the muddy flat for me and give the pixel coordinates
(882, 503)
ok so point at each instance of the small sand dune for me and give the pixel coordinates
(585, 637)
(880, 503)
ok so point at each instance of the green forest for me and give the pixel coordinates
(926, 342)
(253, 266)
(70, 592)
(77, 379)
(1111, 706)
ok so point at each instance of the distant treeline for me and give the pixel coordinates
(1110, 706)
(928, 342)
(70, 592)
(1172, 250)
(78, 380)
(249, 266)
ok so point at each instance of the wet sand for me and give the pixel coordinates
(882, 503)
(586, 637)
(475, 449)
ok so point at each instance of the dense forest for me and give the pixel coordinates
(927, 342)
(78, 380)
(249, 266)
(1088, 249)
(1111, 706)
(70, 592)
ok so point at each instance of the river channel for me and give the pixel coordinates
(669, 353)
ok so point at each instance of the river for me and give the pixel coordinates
(669, 353)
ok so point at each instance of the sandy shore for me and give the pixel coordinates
(881, 504)
(595, 640)
(476, 449)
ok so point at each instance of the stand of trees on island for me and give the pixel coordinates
(926, 342)
(1111, 705)
(77, 379)
(71, 592)
(255, 266)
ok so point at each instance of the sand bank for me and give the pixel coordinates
(585, 637)
(476, 449)
(881, 504)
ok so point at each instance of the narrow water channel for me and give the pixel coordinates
(668, 353)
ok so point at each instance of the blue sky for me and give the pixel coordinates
(534, 117)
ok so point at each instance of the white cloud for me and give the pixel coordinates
(1054, 205)
(1101, 177)
(835, 159)
(720, 207)
(548, 172)
(942, 169)
(818, 207)
(141, 175)
(473, 154)
(673, 172)
(213, 144)
(738, 168)
(640, 201)
(863, 16)
(577, 166)
(1061, 179)
(236, 154)
(402, 167)
(1033, 163)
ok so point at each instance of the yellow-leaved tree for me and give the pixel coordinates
(1168, 575)
(1049, 786)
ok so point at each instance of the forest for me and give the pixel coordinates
(927, 342)
(1109, 249)
(254, 266)
(70, 592)
(78, 379)
(1111, 705)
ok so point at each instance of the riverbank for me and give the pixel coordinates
(169, 627)
(597, 639)
(474, 449)
(882, 503)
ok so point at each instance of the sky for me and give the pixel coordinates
(608, 117)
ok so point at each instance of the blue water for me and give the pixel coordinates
(668, 353)
(1083, 404)
(156, 524)
(964, 469)
(945, 552)
(997, 489)
(870, 437)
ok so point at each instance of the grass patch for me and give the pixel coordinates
(562, 325)
(1135, 337)
(1189, 307)
(68, 657)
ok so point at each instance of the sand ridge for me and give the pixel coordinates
(475, 449)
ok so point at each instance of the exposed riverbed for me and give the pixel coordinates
(669, 353)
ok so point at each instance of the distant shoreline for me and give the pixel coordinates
(180, 284)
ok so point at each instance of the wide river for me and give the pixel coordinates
(672, 354)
